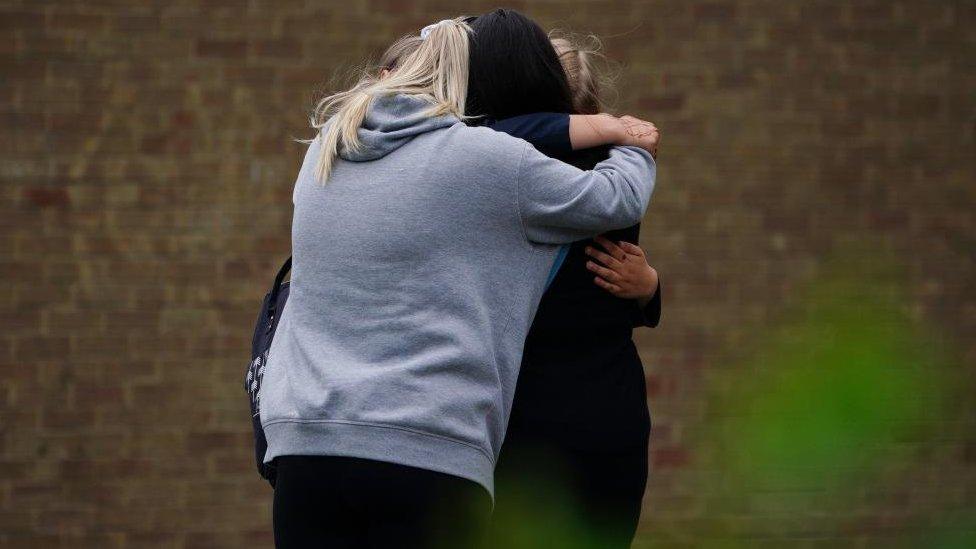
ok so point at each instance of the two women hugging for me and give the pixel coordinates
(465, 273)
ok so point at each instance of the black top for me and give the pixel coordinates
(581, 381)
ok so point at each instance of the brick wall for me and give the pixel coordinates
(146, 167)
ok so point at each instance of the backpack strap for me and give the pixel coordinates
(273, 301)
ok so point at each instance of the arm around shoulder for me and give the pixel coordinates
(559, 203)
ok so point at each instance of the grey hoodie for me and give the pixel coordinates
(417, 269)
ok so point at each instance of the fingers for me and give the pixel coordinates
(607, 260)
(605, 273)
(611, 248)
(612, 288)
(632, 249)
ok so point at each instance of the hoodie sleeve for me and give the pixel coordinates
(559, 203)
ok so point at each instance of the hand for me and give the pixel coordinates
(622, 269)
(639, 133)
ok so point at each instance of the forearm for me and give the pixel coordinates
(593, 130)
(559, 204)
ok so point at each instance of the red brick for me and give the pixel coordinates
(76, 21)
(713, 11)
(227, 49)
(46, 197)
(662, 103)
(287, 48)
(669, 457)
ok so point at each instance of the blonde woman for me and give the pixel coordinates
(421, 248)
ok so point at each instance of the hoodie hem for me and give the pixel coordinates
(388, 443)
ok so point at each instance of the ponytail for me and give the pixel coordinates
(437, 71)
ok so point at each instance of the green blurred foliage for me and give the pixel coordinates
(834, 399)
(832, 389)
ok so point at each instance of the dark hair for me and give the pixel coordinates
(513, 68)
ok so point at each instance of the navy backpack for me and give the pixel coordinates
(264, 330)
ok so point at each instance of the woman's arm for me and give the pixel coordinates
(558, 133)
(593, 130)
(558, 203)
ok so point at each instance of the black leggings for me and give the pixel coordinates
(337, 502)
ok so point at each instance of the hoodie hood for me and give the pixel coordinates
(391, 122)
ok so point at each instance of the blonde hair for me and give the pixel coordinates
(586, 82)
(437, 70)
(398, 50)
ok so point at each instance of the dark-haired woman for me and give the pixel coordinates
(579, 426)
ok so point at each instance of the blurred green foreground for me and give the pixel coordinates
(835, 407)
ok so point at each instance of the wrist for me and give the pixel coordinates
(587, 130)
(607, 128)
(615, 130)
(651, 284)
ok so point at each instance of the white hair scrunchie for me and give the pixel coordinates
(424, 32)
